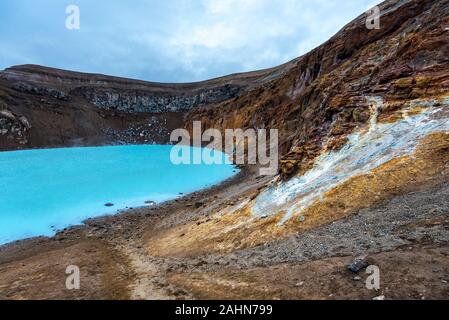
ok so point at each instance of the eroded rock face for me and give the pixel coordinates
(13, 128)
(139, 101)
(41, 90)
(326, 95)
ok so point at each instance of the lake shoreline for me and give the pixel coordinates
(48, 190)
(109, 231)
(185, 198)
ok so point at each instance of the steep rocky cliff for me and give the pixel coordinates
(328, 93)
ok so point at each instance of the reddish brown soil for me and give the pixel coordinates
(415, 272)
(41, 274)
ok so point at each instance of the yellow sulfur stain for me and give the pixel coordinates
(428, 166)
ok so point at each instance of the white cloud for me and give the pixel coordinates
(258, 33)
(174, 40)
(230, 6)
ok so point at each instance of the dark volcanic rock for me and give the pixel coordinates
(198, 204)
(357, 265)
(41, 90)
(131, 101)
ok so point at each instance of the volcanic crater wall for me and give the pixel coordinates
(46, 107)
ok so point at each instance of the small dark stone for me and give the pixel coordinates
(109, 205)
(198, 204)
(357, 265)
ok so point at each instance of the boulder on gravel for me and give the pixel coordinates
(358, 264)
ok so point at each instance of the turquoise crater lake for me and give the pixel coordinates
(42, 191)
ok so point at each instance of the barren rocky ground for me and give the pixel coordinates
(405, 236)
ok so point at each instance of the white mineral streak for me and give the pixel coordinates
(366, 149)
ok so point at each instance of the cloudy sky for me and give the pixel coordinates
(169, 40)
